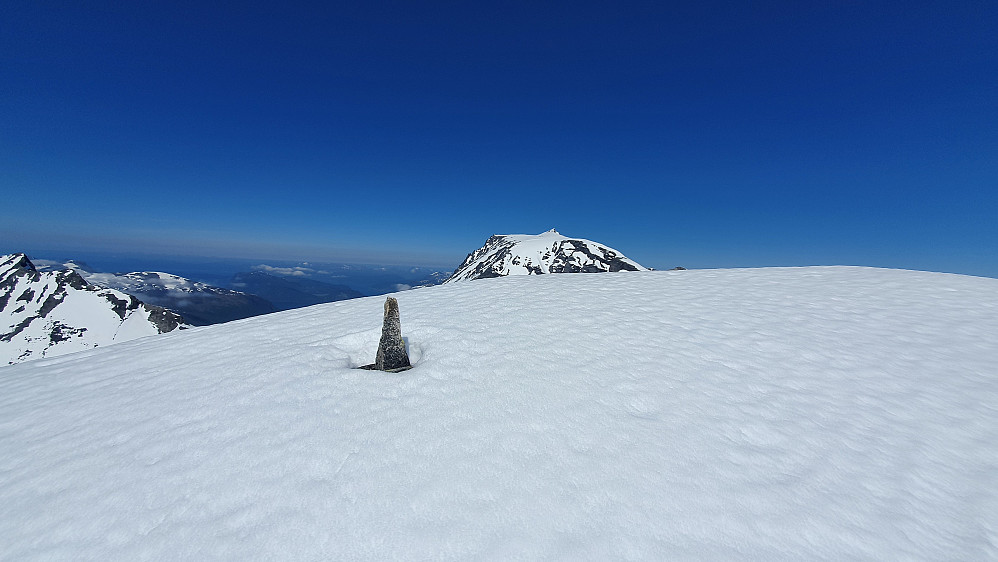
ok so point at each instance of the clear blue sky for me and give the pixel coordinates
(703, 134)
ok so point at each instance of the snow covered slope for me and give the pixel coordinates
(772, 414)
(550, 252)
(43, 314)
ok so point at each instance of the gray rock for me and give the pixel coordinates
(391, 349)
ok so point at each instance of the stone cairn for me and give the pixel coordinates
(391, 349)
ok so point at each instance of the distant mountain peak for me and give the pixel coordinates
(46, 313)
(16, 261)
(536, 254)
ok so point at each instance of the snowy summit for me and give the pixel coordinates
(823, 413)
(49, 313)
(549, 252)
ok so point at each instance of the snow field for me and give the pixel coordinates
(797, 413)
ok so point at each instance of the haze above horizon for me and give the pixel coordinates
(705, 134)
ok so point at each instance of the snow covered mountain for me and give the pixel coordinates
(820, 413)
(51, 313)
(550, 252)
(199, 303)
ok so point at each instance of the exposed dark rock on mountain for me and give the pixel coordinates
(199, 303)
(550, 252)
(46, 313)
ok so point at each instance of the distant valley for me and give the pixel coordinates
(286, 293)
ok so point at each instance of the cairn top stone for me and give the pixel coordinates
(391, 349)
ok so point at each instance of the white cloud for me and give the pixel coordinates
(297, 271)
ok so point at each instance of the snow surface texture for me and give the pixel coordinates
(44, 314)
(549, 252)
(831, 413)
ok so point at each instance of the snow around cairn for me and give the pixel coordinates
(830, 413)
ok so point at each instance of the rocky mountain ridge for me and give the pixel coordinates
(199, 303)
(48, 313)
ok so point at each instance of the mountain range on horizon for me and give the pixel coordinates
(54, 308)
(49, 313)
(269, 289)
(200, 304)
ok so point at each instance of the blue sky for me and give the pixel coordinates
(703, 134)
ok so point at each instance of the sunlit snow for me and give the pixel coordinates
(532, 254)
(798, 414)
